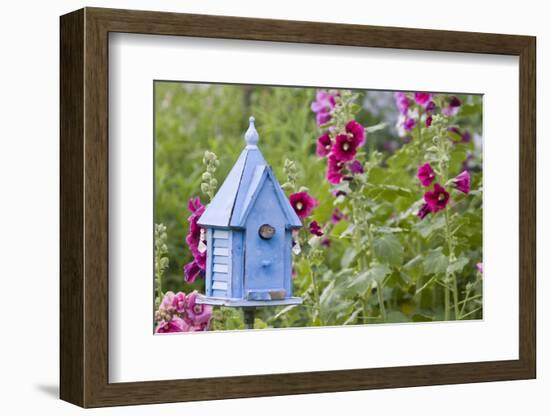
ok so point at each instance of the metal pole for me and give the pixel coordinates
(249, 317)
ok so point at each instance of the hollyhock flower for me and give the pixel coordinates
(192, 270)
(324, 144)
(426, 174)
(466, 137)
(334, 170)
(193, 237)
(430, 107)
(323, 105)
(402, 102)
(315, 229)
(479, 267)
(325, 242)
(344, 148)
(423, 211)
(409, 124)
(428, 121)
(336, 216)
(462, 182)
(197, 313)
(303, 203)
(356, 167)
(422, 98)
(176, 324)
(356, 131)
(437, 199)
(173, 302)
(452, 107)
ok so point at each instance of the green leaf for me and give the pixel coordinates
(414, 267)
(348, 257)
(376, 127)
(361, 282)
(388, 249)
(458, 265)
(435, 262)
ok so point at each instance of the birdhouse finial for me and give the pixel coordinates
(251, 136)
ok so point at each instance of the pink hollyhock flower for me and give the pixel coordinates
(426, 174)
(173, 302)
(198, 313)
(323, 105)
(334, 170)
(402, 102)
(356, 167)
(336, 216)
(192, 270)
(176, 324)
(409, 124)
(422, 98)
(315, 229)
(462, 182)
(345, 148)
(423, 211)
(428, 121)
(324, 144)
(356, 131)
(452, 107)
(437, 199)
(479, 267)
(303, 204)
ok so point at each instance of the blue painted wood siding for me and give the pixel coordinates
(265, 259)
(220, 263)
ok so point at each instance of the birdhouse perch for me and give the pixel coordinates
(249, 225)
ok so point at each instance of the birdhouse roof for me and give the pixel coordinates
(235, 198)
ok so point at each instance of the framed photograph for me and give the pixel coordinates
(279, 207)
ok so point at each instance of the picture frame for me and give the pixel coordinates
(84, 215)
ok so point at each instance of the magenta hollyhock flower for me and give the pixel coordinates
(323, 105)
(325, 242)
(315, 229)
(430, 107)
(176, 324)
(452, 107)
(479, 267)
(437, 199)
(303, 203)
(466, 137)
(462, 182)
(192, 270)
(409, 124)
(336, 216)
(194, 235)
(356, 131)
(324, 144)
(334, 170)
(425, 174)
(197, 313)
(402, 102)
(428, 121)
(422, 98)
(344, 148)
(173, 302)
(356, 167)
(423, 211)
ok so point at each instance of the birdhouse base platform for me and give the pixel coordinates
(244, 303)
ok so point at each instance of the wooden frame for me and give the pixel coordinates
(84, 207)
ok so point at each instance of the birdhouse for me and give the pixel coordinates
(249, 225)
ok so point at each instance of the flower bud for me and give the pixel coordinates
(205, 188)
(206, 176)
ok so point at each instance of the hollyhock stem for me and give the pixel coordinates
(317, 297)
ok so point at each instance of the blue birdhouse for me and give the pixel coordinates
(249, 225)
